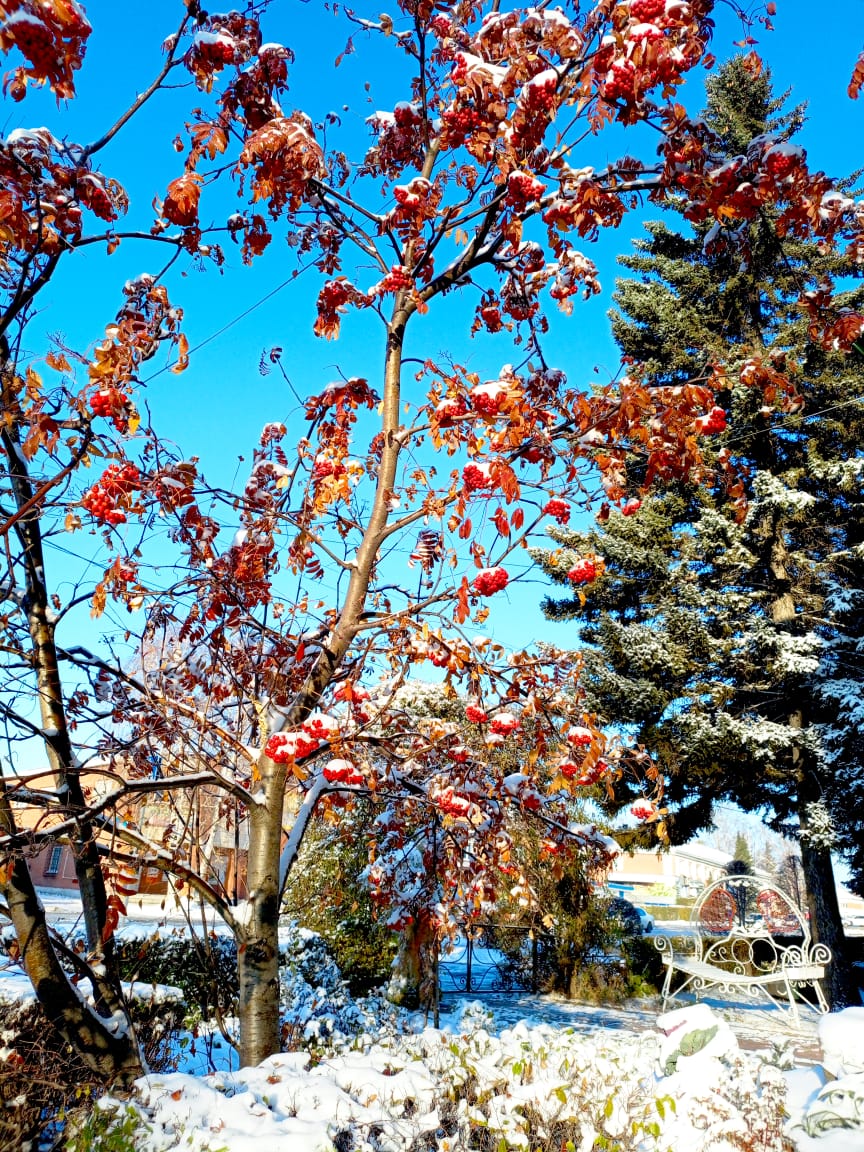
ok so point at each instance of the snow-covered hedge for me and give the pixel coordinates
(41, 1077)
(316, 1003)
(435, 1091)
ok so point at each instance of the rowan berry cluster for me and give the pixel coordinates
(620, 80)
(441, 26)
(538, 95)
(286, 747)
(213, 51)
(52, 42)
(517, 303)
(475, 715)
(476, 476)
(523, 188)
(450, 409)
(490, 314)
(105, 501)
(111, 403)
(356, 697)
(534, 451)
(504, 724)
(578, 737)
(323, 467)
(35, 42)
(631, 507)
(438, 655)
(582, 572)
(414, 194)
(321, 726)
(713, 423)
(558, 509)
(592, 775)
(781, 160)
(407, 115)
(102, 507)
(459, 123)
(453, 804)
(342, 772)
(334, 295)
(489, 581)
(396, 280)
(647, 11)
(643, 810)
(124, 571)
(488, 399)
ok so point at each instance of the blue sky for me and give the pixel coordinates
(216, 409)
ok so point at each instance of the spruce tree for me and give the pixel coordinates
(742, 854)
(731, 647)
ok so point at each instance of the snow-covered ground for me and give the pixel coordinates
(682, 1086)
(523, 1071)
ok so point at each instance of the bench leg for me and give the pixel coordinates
(667, 983)
(668, 994)
(793, 1004)
(820, 996)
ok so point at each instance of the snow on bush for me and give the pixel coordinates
(315, 1002)
(529, 1088)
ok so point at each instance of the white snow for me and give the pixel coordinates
(841, 1035)
(687, 1087)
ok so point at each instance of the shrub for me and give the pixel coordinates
(328, 894)
(118, 1127)
(42, 1079)
(204, 969)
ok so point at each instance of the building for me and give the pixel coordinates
(213, 835)
(654, 877)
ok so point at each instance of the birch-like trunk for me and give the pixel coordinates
(258, 946)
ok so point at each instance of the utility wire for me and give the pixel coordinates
(242, 316)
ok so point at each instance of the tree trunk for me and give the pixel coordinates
(410, 984)
(111, 1054)
(258, 948)
(52, 711)
(826, 923)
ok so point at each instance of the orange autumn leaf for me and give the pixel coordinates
(181, 202)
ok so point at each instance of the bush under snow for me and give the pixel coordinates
(439, 1091)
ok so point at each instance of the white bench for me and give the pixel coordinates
(749, 936)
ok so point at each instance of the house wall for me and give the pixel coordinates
(65, 876)
(685, 869)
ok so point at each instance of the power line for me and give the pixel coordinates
(241, 316)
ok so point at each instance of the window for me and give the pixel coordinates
(53, 865)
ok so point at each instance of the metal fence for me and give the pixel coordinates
(493, 959)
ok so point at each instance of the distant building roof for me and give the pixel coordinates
(702, 852)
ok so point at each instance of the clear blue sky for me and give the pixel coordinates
(216, 409)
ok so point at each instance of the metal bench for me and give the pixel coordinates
(750, 937)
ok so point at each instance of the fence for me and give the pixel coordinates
(492, 960)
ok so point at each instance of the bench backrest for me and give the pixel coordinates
(743, 920)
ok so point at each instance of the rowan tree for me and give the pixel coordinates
(261, 647)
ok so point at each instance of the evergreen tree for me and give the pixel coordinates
(731, 646)
(742, 855)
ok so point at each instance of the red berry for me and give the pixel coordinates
(489, 581)
(582, 572)
(558, 509)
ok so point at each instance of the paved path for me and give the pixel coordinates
(758, 1028)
